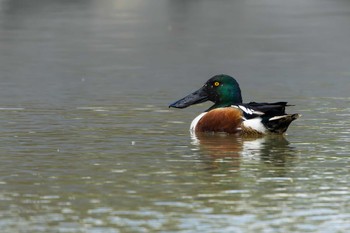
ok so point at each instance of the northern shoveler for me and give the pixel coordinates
(230, 115)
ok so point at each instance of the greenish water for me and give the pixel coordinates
(88, 143)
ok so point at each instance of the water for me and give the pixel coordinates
(89, 145)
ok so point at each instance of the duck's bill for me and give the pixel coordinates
(196, 97)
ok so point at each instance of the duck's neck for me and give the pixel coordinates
(218, 105)
(227, 102)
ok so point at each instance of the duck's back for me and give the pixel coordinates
(266, 117)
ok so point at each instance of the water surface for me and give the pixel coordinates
(89, 145)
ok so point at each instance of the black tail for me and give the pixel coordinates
(279, 124)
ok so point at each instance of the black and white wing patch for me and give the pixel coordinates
(248, 113)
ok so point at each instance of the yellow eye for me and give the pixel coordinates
(216, 84)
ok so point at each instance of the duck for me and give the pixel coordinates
(230, 115)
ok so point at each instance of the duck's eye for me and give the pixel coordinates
(216, 84)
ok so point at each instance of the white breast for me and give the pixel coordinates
(195, 121)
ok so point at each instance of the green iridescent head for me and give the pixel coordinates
(221, 89)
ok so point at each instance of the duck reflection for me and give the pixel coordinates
(218, 145)
(274, 149)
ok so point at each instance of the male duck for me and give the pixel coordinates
(230, 115)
